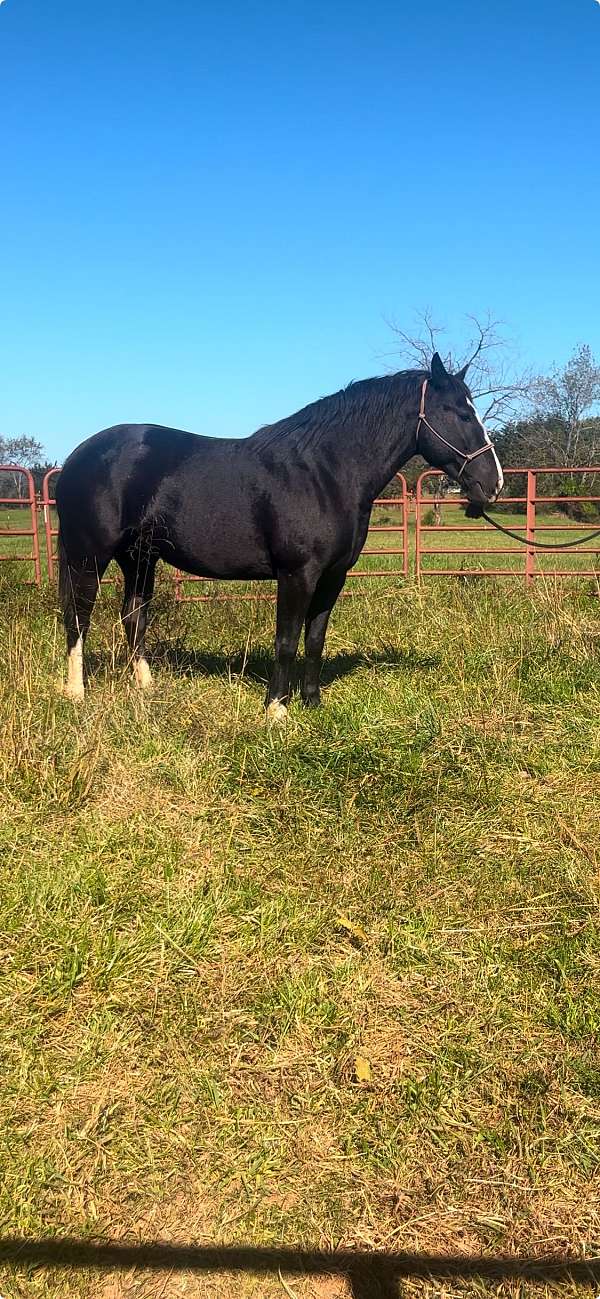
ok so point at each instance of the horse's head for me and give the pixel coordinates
(451, 436)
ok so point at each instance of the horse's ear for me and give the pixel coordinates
(461, 374)
(439, 373)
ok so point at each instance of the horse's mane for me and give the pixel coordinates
(367, 402)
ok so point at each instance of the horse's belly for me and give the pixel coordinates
(224, 566)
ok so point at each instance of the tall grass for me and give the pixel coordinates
(207, 923)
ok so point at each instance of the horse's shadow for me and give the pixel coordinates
(256, 666)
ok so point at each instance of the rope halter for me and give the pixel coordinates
(465, 456)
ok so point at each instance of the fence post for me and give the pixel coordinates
(402, 481)
(47, 503)
(530, 553)
(33, 510)
(418, 503)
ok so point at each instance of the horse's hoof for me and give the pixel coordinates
(276, 713)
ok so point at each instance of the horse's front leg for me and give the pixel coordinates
(317, 618)
(294, 592)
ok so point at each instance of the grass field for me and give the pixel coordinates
(335, 986)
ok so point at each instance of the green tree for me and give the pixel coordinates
(563, 430)
(21, 450)
(565, 399)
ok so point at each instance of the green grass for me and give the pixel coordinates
(205, 923)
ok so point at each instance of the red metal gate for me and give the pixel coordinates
(26, 506)
(48, 505)
(529, 563)
(479, 549)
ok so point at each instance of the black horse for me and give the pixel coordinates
(292, 502)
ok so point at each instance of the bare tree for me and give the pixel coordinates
(495, 377)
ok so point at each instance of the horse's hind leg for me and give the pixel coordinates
(78, 584)
(138, 568)
(294, 591)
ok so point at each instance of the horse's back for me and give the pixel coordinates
(186, 495)
(112, 476)
(218, 507)
(125, 447)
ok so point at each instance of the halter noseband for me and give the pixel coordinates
(466, 456)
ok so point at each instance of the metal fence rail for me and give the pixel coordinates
(26, 509)
(529, 563)
(48, 504)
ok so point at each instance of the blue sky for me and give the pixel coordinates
(210, 210)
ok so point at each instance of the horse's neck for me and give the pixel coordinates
(373, 455)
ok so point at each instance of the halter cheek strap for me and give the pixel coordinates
(465, 456)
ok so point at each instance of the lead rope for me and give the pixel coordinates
(540, 545)
(466, 458)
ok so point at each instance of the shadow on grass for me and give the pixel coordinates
(257, 665)
(369, 1275)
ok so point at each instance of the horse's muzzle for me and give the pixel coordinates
(474, 509)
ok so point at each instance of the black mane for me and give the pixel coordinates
(370, 401)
